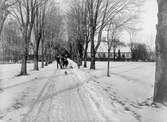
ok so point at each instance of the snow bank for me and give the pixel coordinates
(125, 96)
(129, 89)
(19, 92)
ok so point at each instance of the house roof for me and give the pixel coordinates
(104, 48)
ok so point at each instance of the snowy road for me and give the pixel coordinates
(83, 95)
(65, 98)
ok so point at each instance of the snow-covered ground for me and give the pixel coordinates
(83, 95)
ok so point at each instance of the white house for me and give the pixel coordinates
(102, 51)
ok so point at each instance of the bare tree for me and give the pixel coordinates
(134, 37)
(54, 31)
(86, 32)
(38, 32)
(102, 12)
(160, 88)
(93, 13)
(4, 5)
(122, 19)
(113, 34)
(98, 14)
(25, 13)
(77, 30)
(42, 49)
(4, 12)
(150, 47)
(12, 43)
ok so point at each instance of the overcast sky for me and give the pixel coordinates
(150, 17)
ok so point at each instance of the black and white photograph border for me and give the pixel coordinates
(83, 61)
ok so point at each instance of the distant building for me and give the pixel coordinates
(102, 52)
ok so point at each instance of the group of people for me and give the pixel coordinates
(62, 62)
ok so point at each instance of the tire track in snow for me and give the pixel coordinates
(60, 100)
(66, 100)
(82, 101)
(45, 103)
(69, 106)
(50, 80)
(44, 114)
(62, 107)
(42, 109)
(101, 113)
(65, 104)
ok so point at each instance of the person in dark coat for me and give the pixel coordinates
(58, 61)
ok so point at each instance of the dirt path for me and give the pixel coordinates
(64, 98)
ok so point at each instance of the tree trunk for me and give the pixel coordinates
(108, 66)
(85, 59)
(72, 51)
(36, 60)
(3, 53)
(25, 57)
(160, 89)
(92, 65)
(24, 64)
(42, 64)
(46, 60)
(114, 54)
(93, 20)
(49, 58)
(85, 55)
(36, 54)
